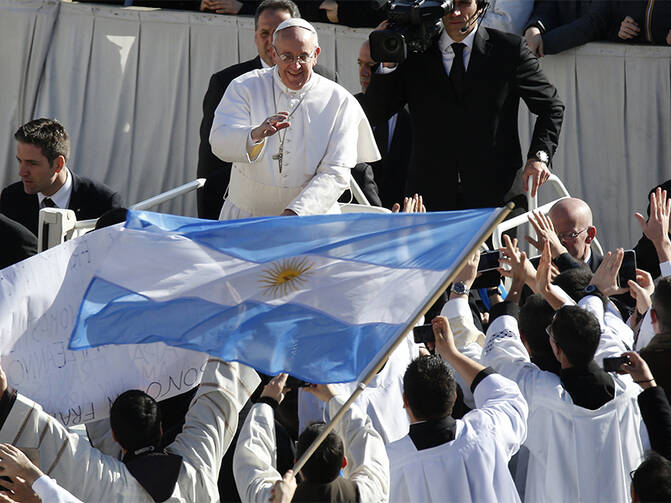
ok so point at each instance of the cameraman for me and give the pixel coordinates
(463, 95)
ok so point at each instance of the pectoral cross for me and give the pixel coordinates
(278, 157)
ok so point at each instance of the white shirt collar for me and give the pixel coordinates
(588, 255)
(445, 42)
(62, 196)
(263, 63)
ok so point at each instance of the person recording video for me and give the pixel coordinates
(463, 95)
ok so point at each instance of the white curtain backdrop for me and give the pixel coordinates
(128, 85)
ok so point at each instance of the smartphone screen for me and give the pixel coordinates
(489, 261)
(423, 333)
(628, 268)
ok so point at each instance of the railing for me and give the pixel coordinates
(523, 219)
(58, 225)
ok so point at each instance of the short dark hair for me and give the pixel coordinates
(535, 315)
(285, 5)
(652, 479)
(429, 388)
(325, 463)
(577, 332)
(661, 301)
(573, 281)
(48, 134)
(136, 420)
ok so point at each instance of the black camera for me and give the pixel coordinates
(413, 26)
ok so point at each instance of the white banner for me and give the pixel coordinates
(39, 300)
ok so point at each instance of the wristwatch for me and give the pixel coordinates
(593, 290)
(459, 287)
(542, 156)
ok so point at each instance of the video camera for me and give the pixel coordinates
(413, 26)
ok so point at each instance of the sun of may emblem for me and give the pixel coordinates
(285, 276)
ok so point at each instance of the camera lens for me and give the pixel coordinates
(391, 44)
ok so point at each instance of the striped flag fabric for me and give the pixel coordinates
(318, 296)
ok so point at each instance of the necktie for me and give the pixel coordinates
(47, 202)
(457, 71)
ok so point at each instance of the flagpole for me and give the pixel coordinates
(382, 360)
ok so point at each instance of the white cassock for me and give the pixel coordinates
(92, 476)
(575, 454)
(382, 400)
(255, 454)
(474, 465)
(329, 135)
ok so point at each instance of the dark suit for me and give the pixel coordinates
(18, 243)
(88, 199)
(569, 23)
(391, 171)
(216, 171)
(474, 137)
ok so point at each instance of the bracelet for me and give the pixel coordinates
(644, 380)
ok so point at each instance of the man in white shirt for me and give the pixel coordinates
(585, 429)
(292, 135)
(353, 446)
(186, 472)
(464, 460)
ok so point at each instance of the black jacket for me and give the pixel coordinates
(569, 23)
(475, 137)
(89, 199)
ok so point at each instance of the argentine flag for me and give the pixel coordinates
(318, 297)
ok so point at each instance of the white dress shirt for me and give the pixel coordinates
(62, 196)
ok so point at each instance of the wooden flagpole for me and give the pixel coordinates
(382, 360)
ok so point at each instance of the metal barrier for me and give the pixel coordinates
(523, 219)
(58, 225)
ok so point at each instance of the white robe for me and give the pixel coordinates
(575, 454)
(94, 477)
(255, 454)
(382, 399)
(473, 466)
(329, 135)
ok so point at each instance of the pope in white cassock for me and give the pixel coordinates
(292, 135)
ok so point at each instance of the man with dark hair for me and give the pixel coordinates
(581, 417)
(135, 420)
(269, 14)
(365, 469)
(465, 459)
(651, 481)
(657, 353)
(42, 150)
(535, 315)
(186, 470)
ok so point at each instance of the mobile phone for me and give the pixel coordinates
(423, 333)
(628, 268)
(614, 364)
(294, 382)
(489, 260)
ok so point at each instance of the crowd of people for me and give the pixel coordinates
(554, 389)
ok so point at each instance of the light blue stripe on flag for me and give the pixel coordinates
(401, 240)
(318, 297)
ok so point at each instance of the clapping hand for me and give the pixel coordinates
(414, 204)
(641, 290)
(545, 231)
(605, 277)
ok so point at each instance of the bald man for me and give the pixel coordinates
(572, 222)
